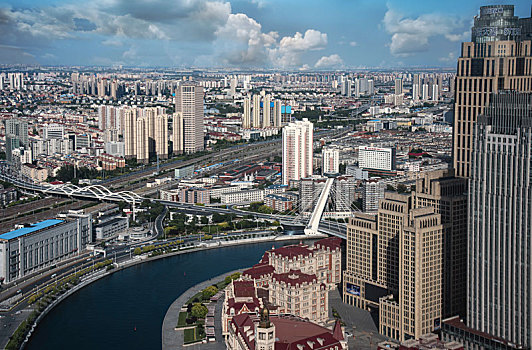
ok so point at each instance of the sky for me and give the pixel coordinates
(272, 34)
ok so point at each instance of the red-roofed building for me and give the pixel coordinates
(248, 332)
(240, 298)
(260, 273)
(324, 259)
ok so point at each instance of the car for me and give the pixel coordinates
(88, 259)
(18, 312)
(54, 275)
(19, 291)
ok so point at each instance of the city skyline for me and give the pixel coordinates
(251, 34)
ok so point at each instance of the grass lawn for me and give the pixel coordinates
(181, 322)
(190, 335)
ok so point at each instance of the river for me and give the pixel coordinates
(126, 309)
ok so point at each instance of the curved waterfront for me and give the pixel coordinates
(105, 314)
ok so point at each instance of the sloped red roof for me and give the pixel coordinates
(294, 277)
(331, 242)
(292, 251)
(258, 270)
(244, 289)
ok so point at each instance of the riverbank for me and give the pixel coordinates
(139, 260)
(173, 338)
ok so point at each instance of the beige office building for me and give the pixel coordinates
(394, 265)
(188, 126)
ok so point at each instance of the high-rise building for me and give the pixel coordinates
(161, 135)
(189, 103)
(130, 134)
(330, 160)
(142, 147)
(394, 264)
(298, 138)
(266, 112)
(309, 191)
(256, 112)
(246, 118)
(497, 58)
(277, 123)
(499, 302)
(372, 192)
(398, 86)
(447, 194)
(19, 128)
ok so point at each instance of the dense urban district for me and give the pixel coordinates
(413, 185)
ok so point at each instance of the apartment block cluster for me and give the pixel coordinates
(291, 283)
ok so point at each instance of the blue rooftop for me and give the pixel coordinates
(33, 228)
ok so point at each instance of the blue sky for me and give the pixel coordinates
(326, 34)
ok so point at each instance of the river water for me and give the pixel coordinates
(126, 309)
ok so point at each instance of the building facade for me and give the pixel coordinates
(35, 247)
(497, 58)
(188, 120)
(499, 257)
(297, 150)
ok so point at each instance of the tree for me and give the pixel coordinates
(199, 310)
(209, 292)
(137, 251)
(401, 188)
(204, 220)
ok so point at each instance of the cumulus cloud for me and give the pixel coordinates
(235, 38)
(290, 49)
(411, 35)
(329, 61)
(353, 43)
(242, 42)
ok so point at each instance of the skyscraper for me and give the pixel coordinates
(16, 135)
(497, 58)
(500, 220)
(297, 150)
(394, 265)
(255, 121)
(246, 119)
(189, 104)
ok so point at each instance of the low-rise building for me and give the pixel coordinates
(32, 248)
(34, 172)
(265, 332)
(245, 196)
(111, 227)
(279, 202)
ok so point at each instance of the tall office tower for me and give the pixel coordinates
(394, 264)
(425, 92)
(114, 88)
(447, 194)
(130, 132)
(2, 80)
(142, 147)
(19, 128)
(246, 118)
(189, 102)
(277, 123)
(298, 138)
(161, 135)
(266, 112)
(500, 294)
(398, 86)
(496, 59)
(415, 92)
(255, 121)
(330, 160)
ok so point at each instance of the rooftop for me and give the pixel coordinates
(31, 229)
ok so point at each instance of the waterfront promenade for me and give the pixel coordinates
(172, 338)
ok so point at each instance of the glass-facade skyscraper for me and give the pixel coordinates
(500, 220)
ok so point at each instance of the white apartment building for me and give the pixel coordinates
(297, 150)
